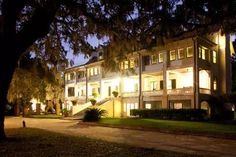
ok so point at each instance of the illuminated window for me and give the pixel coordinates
(95, 71)
(148, 106)
(126, 64)
(204, 79)
(172, 55)
(204, 53)
(214, 58)
(153, 59)
(160, 57)
(122, 65)
(178, 105)
(215, 85)
(180, 53)
(91, 72)
(132, 64)
(153, 85)
(189, 51)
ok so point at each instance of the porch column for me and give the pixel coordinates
(86, 81)
(141, 105)
(164, 97)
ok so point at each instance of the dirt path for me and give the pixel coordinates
(180, 143)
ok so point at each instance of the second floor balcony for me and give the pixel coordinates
(180, 91)
(153, 93)
(130, 94)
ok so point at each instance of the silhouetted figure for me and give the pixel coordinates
(23, 123)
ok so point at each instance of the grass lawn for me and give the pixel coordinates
(28, 142)
(46, 116)
(169, 125)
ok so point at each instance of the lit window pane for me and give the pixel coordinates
(160, 57)
(189, 51)
(172, 55)
(180, 53)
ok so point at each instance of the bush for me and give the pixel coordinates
(65, 112)
(115, 93)
(93, 114)
(93, 101)
(220, 109)
(171, 114)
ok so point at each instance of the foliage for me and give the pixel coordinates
(221, 109)
(65, 112)
(174, 114)
(93, 101)
(115, 93)
(95, 94)
(33, 79)
(202, 128)
(93, 114)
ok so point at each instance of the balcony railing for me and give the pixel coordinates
(82, 79)
(153, 93)
(70, 81)
(129, 94)
(180, 91)
(205, 91)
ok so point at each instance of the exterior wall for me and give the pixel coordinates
(142, 95)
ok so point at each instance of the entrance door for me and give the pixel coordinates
(109, 90)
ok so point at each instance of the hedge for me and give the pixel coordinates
(171, 114)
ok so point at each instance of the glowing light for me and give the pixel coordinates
(204, 79)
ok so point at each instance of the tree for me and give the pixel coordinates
(33, 78)
(128, 25)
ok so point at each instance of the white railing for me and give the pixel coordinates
(152, 92)
(204, 91)
(77, 108)
(180, 91)
(129, 94)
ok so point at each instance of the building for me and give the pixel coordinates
(183, 73)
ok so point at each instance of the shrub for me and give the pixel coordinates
(115, 93)
(65, 112)
(93, 101)
(93, 114)
(172, 114)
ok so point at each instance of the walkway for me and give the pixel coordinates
(180, 143)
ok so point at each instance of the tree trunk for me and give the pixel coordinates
(7, 70)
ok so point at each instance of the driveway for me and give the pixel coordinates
(181, 143)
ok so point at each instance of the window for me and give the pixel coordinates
(153, 59)
(189, 51)
(122, 65)
(215, 85)
(204, 79)
(136, 62)
(214, 58)
(71, 91)
(161, 57)
(172, 55)
(178, 105)
(72, 76)
(161, 84)
(136, 87)
(146, 60)
(132, 63)
(95, 71)
(173, 84)
(148, 106)
(153, 85)
(91, 71)
(126, 64)
(204, 53)
(180, 53)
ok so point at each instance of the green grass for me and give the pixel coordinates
(186, 126)
(28, 142)
(46, 116)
